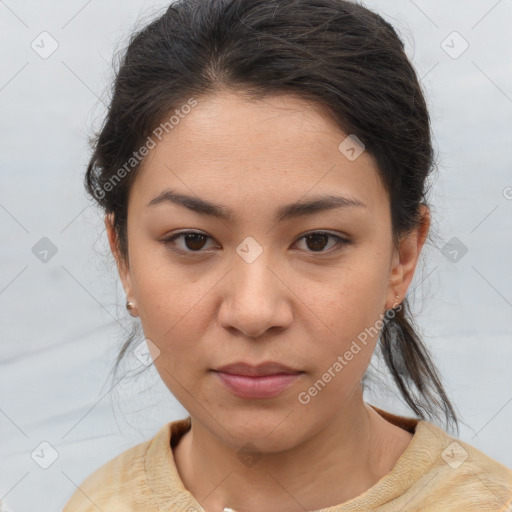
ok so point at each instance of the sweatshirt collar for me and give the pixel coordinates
(169, 492)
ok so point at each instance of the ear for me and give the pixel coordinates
(406, 258)
(122, 265)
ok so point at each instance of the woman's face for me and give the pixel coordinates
(250, 286)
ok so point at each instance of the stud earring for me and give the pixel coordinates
(130, 306)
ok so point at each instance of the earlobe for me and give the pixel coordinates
(406, 257)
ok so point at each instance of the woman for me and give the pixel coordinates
(263, 169)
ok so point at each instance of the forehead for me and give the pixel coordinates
(278, 147)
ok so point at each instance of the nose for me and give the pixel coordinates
(255, 299)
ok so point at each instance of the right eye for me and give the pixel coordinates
(191, 241)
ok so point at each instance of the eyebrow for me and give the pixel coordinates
(285, 212)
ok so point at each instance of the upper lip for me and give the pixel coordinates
(268, 368)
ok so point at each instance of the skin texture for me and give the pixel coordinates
(293, 304)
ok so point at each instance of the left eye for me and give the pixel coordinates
(316, 241)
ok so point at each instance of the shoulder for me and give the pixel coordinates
(121, 484)
(440, 473)
(461, 477)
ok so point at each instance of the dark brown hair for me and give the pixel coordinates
(338, 54)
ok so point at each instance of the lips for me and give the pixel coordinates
(262, 381)
(268, 368)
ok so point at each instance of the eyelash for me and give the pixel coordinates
(340, 242)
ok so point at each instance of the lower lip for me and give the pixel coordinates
(257, 387)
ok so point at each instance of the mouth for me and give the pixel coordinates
(266, 380)
(259, 370)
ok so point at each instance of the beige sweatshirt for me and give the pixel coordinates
(436, 473)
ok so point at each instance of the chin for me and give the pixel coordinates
(259, 430)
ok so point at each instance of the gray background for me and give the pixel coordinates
(63, 320)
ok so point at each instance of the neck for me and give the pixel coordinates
(339, 462)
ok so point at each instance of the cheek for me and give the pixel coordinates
(172, 306)
(350, 306)
(342, 355)
(177, 326)
(351, 299)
